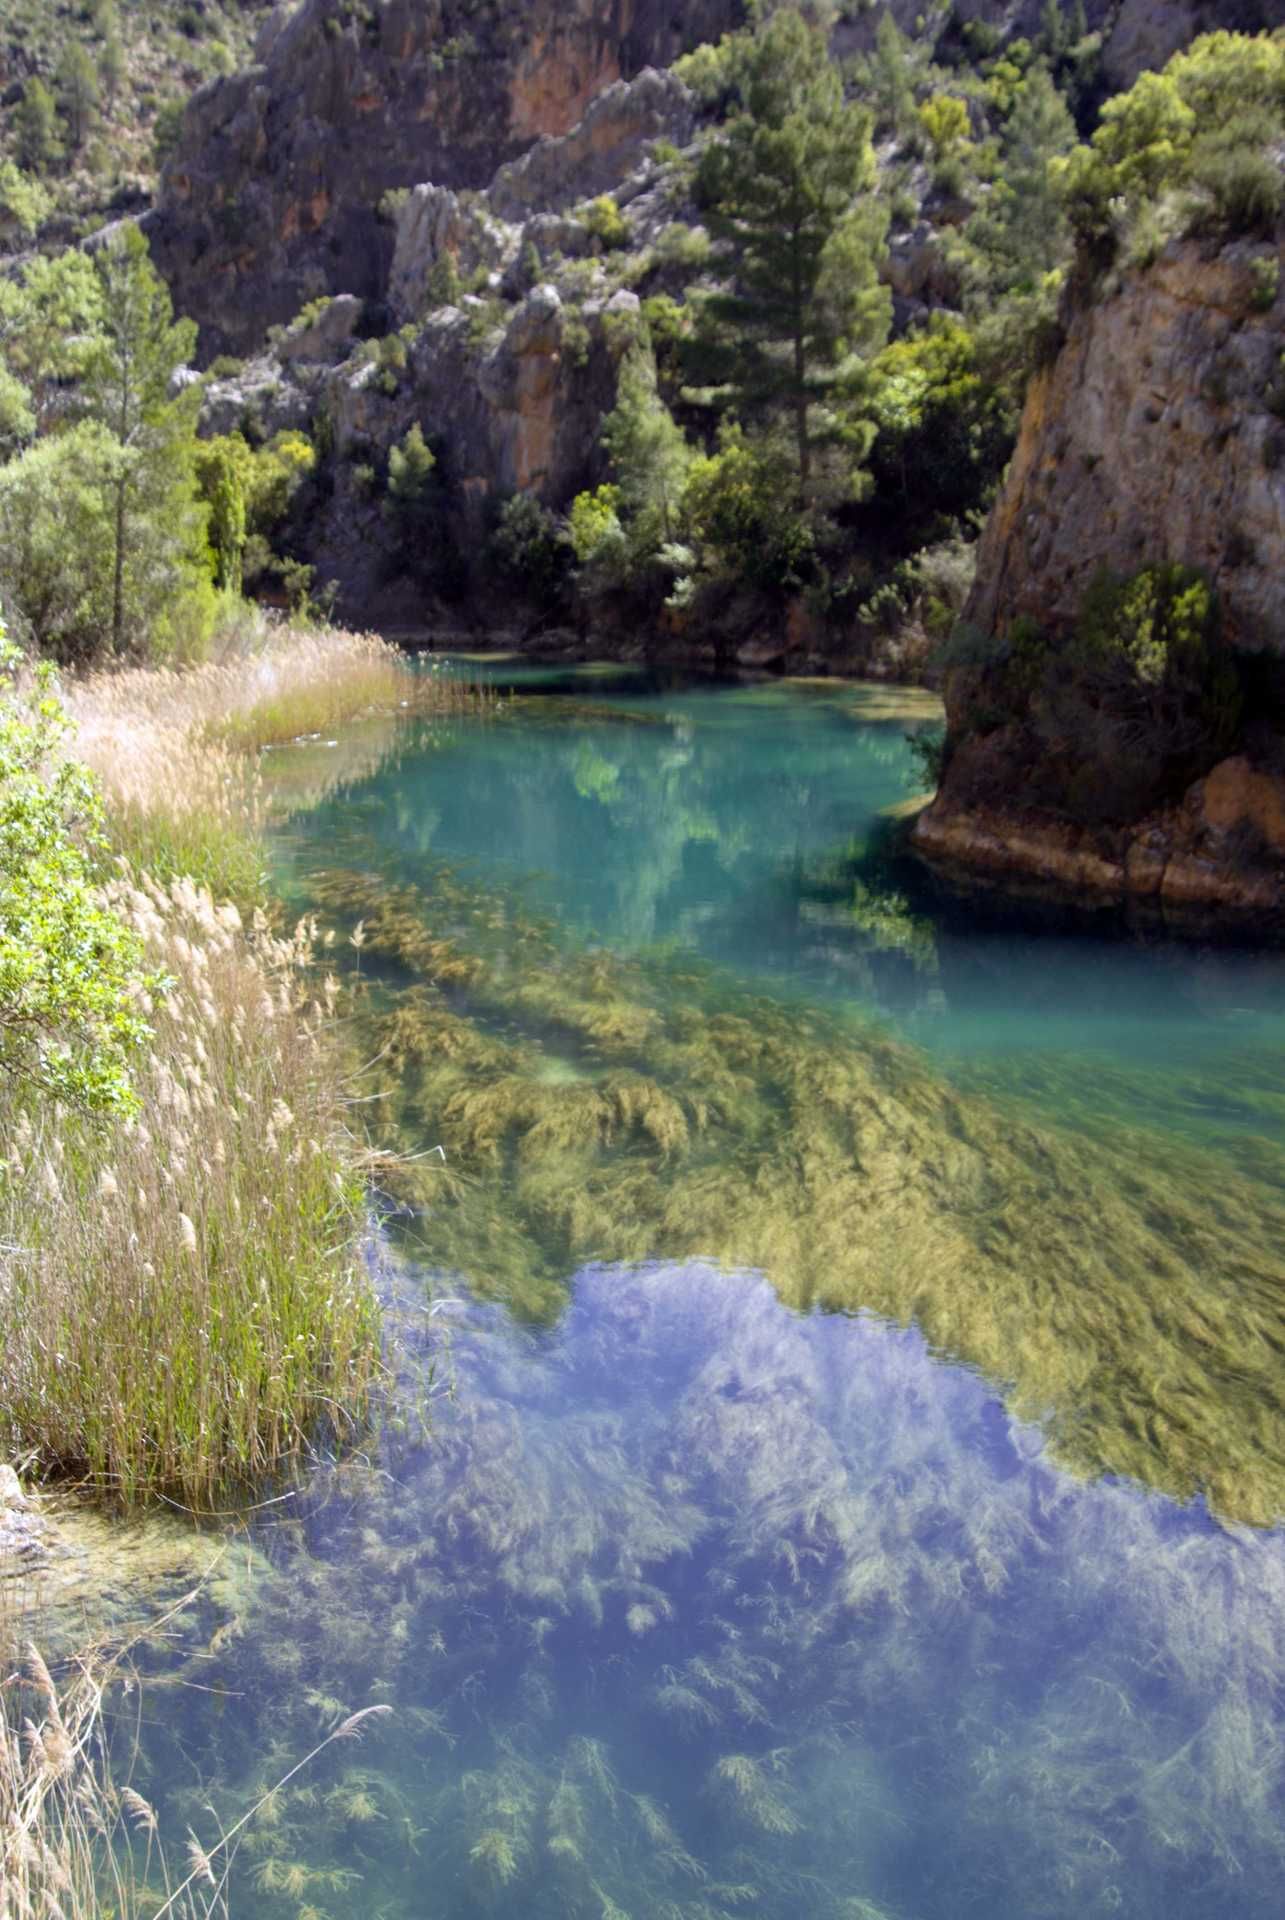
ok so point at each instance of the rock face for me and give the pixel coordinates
(1218, 858)
(1158, 435)
(270, 199)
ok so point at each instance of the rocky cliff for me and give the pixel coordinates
(1157, 435)
(1156, 438)
(270, 199)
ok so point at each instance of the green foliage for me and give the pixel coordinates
(715, 69)
(944, 431)
(166, 131)
(1021, 230)
(224, 469)
(798, 252)
(277, 472)
(593, 525)
(605, 223)
(648, 451)
(944, 119)
(741, 511)
(1205, 127)
(444, 283)
(77, 86)
(410, 469)
(1120, 716)
(1267, 279)
(24, 202)
(161, 595)
(529, 546)
(70, 972)
(36, 128)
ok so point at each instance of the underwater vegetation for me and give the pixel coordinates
(1126, 1291)
(697, 1607)
(714, 1589)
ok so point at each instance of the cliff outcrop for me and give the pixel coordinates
(1156, 439)
(270, 199)
(1158, 434)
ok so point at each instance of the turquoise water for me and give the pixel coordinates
(696, 1604)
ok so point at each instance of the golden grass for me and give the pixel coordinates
(174, 748)
(184, 1302)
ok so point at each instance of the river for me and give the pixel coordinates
(849, 1333)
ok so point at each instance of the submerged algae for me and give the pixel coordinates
(1128, 1293)
(930, 1673)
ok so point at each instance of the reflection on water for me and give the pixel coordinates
(694, 1606)
(699, 1601)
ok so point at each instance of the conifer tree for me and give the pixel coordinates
(158, 527)
(798, 245)
(36, 123)
(77, 92)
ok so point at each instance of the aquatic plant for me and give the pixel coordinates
(702, 1120)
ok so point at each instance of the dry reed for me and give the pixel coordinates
(173, 748)
(76, 1841)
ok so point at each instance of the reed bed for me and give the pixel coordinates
(174, 749)
(183, 1300)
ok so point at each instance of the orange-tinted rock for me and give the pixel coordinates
(1235, 795)
(282, 167)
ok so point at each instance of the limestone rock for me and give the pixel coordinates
(323, 338)
(1235, 794)
(600, 151)
(270, 197)
(1156, 436)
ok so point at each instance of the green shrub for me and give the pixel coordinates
(605, 223)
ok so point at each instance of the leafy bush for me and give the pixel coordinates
(71, 979)
(1207, 126)
(740, 505)
(1120, 716)
(529, 547)
(605, 223)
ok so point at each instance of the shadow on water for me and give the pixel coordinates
(700, 1600)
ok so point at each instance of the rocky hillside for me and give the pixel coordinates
(271, 198)
(116, 74)
(1155, 441)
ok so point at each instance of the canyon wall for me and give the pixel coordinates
(271, 197)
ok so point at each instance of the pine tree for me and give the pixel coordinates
(798, 247)
(1032, 232)
(77, 92)
(158, 526)
(111, 67)
(648, 450)
(36, 123)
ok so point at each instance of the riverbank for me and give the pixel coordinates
(186, 1307)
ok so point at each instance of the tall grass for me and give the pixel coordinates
(183, 1299)
(174, 749)
(75, 1840)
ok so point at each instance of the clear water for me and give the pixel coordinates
(700, 1600)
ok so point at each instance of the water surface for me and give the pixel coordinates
(856, 1489)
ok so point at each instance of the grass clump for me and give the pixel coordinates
(183, 1301)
